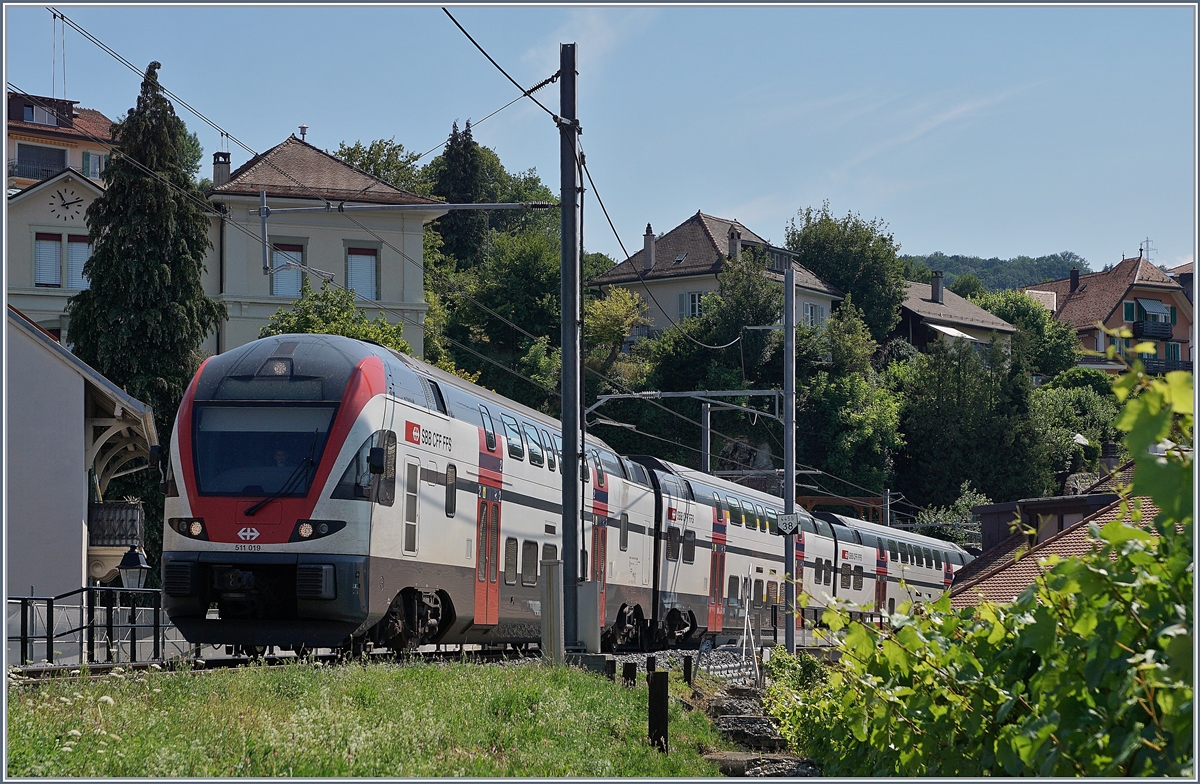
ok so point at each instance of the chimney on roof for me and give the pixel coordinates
(936, 290)
(735, 241)
(1074, 278)
(220, 168)
(303, 132)
(648, 249)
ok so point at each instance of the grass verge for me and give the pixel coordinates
(374, 720)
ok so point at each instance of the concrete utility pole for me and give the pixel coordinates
(789, 452)
(572, 388)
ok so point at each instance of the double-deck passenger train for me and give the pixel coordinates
(327, 492)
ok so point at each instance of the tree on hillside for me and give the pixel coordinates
(459, 178)
(386, 159)
(967, 284)
(1092, 378)
(996, 273)
(608, 321)
(332, 311)
(145, 315)
(1047, 345)
(855, 255)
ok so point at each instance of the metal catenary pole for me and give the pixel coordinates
(568, 133)
(789, 452)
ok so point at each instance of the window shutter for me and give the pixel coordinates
(361, 272)
(104, 163)
(683, 306)
(87, 163)
(1129, 314)
(47, 260)
(78, 252)
(1172, 315)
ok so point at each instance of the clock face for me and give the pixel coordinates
(66, 205)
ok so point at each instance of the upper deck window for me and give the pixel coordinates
(258, 450)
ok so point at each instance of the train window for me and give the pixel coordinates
(611, 464)
(732, 594)
(760, 518)
(895, 554)
(807, 524)
(529, 563)
(928, 558)
(823, 528)
(439, 402)
(411, 488)
(919, 558)
(858, 578)
(535, 446)
(549, 552)
(937, 559)
(772, 521)
(735, 511)
(624, 542)
(600, 468)
(549, 449)
(845, 581)
(687, 486)
(866, 539)
(512, 434)
(716, 502)
(772, 592)
(672, 544)
(757, 596)
(489, 431)
(451, 489)
(359, 484)
(584, 474)
(828, 577)
(891, 605)
(510, 561)
(689, 546)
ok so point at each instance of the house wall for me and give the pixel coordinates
(325, 238)
(667, 293)
(1181, 332)
(75, 150)
(27, 217)
(47, 477)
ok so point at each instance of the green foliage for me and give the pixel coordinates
(856, 256)
(1059, 413)
(383, 720)
(1047, 345)
(849, 340)
(850, 426)
(955, 523)
(966, 416)
(608, 321)
(192, 152)
(332, 311)
(1088, 672)
(386, 159)
(996, 273)
(457, 176)
(1092, 378)
(967, 284)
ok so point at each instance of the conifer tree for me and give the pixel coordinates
(459, 178)
(145, 314)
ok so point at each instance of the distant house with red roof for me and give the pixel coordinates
(48, 135)
(1134, 294)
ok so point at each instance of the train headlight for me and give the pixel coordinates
(195, 528)
(191, 527)
(307, 530)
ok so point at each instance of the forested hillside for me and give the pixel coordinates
(996, 274)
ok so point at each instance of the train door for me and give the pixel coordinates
(716, 570)
(487, 563)
(600, 563)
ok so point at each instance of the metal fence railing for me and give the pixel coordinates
(92, 625)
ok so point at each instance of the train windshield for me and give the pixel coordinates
(259, 450)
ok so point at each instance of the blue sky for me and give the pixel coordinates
(982, 131)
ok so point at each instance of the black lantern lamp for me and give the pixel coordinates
(133, 569)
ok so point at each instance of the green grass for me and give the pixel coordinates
(375, 720)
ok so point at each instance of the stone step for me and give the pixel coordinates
(753, 732)
(753, 763)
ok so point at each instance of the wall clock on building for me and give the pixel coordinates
(66, 205)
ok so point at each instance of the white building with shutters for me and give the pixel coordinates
(376, 253)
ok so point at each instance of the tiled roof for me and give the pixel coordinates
(1108, 484)
(1008, 578)
(87, 123)
(1182, 269)
(296, 169)
(703, 243)
(1100, 293)
(990, 557)
(952, 310)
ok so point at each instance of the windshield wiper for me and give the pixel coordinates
(291, 480)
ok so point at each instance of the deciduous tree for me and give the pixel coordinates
(332, 311)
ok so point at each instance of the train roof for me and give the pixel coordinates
(721, 485)
(892, 533)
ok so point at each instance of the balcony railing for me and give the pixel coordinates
(115, 524)
(1151, 330)
(33, 171)
(1158, 367)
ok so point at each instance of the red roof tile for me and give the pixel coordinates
(953, 309)
(1108, 484)
(1008, 578)
(296, 169)
(1100, 293)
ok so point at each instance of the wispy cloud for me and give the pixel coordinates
(598, 32)
(1181, 260)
